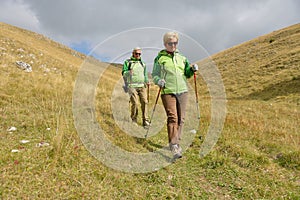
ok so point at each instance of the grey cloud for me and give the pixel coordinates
(216, 25)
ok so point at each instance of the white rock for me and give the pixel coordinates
(42, 144)
(11, 129)
(24, 141)
(193, 131)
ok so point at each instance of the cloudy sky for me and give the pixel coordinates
(114, 27)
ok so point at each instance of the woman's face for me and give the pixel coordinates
(171, 45)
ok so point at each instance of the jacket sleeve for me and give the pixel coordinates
(188, 71)
(145, 73)
(156, 71)
(125, 70)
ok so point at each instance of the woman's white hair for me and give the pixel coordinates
(169, 35)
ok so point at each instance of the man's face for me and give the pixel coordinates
(137, 54)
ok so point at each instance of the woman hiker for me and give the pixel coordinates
(170, 72)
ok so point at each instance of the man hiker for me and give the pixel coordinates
(136, 80)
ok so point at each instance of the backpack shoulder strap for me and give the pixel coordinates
(129, 63)
(142, 63)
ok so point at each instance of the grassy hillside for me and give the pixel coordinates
(256, 157)
(264, 68)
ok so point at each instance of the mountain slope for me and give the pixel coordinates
(16, 40)
(266, 67)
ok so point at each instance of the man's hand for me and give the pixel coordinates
(131, 72)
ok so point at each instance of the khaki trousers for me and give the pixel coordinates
(137, 94)
(175, 106)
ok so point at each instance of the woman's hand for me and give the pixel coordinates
(195, 67)
(161, 83)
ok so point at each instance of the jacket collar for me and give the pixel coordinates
(164, 52)
(135, 59)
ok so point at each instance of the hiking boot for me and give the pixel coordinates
(146, 123)
(135, 122)
(176, 150)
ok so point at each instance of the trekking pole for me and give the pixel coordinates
(153, 111)
(156, 100)
(148, 92)
(130, 90)
(196, 93)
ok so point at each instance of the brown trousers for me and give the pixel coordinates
(137, 94)
(175, 106)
